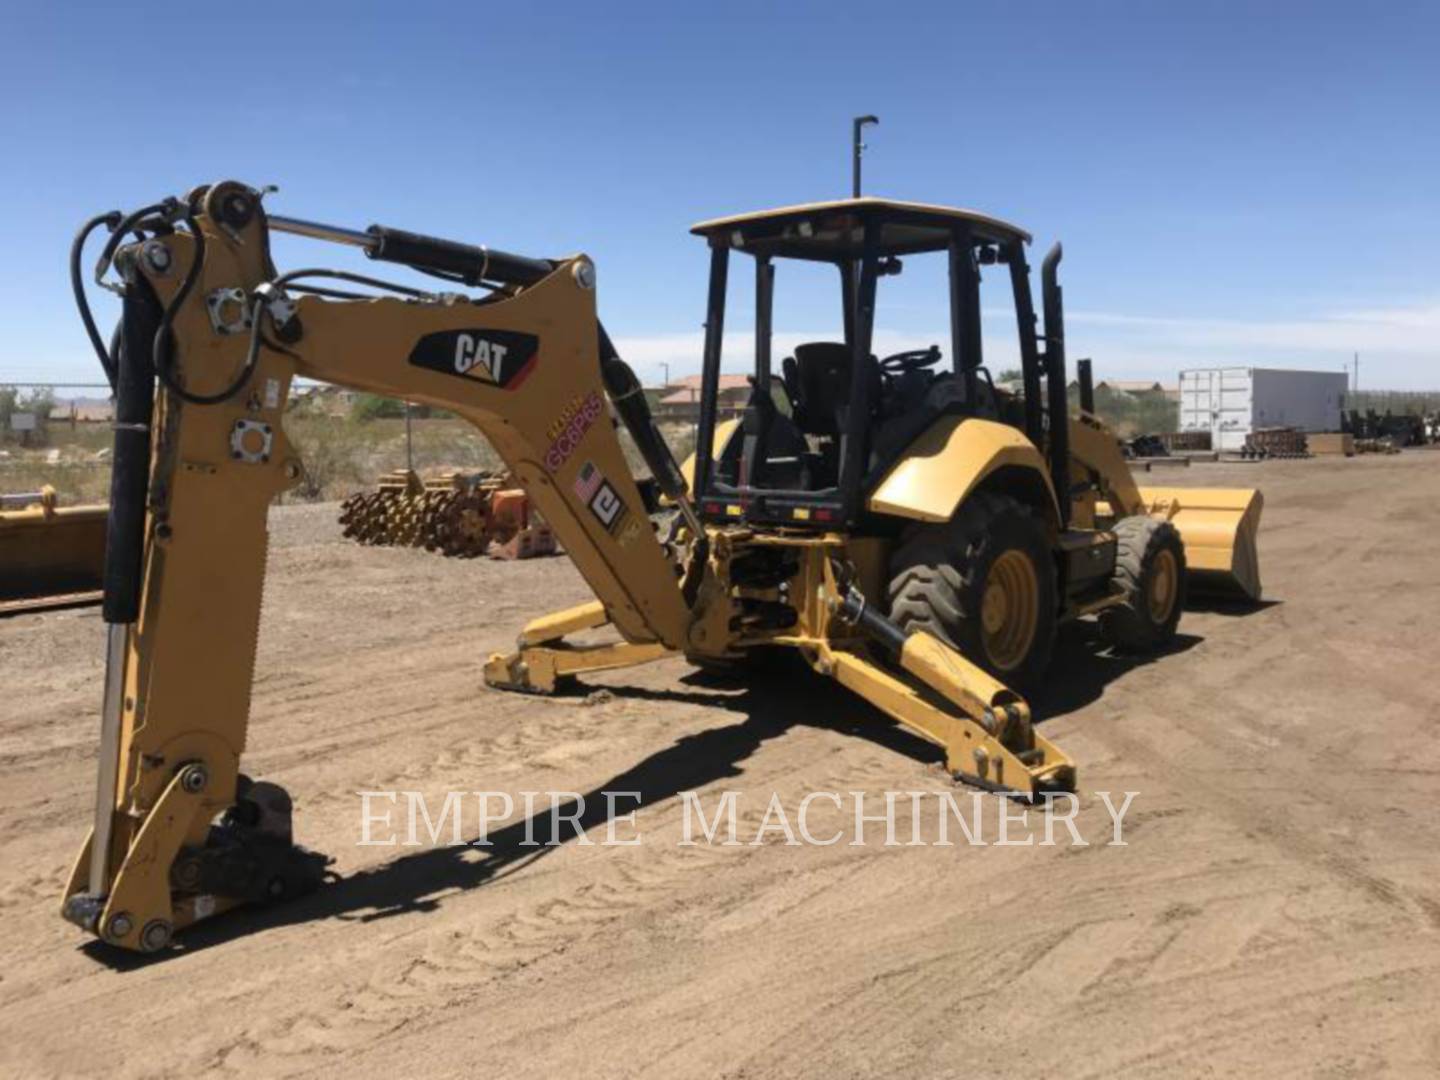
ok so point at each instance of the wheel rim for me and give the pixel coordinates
(1163, 581)
(1009, 610)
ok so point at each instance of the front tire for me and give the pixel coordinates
(983, 583)
(1150, 571)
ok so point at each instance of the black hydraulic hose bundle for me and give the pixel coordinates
(163, 344)
(126, 361)
(107, 356)
(140, 350)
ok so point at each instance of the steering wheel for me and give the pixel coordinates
(910, 360)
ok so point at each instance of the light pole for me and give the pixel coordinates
(409, 446)
(666, 367)
(858, 148)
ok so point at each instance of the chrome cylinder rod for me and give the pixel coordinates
(110, 716)
(316, 231)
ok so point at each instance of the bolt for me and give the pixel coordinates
(194, 779)
(186, 874)
(119, 926)
(156, 935)
(157, 256)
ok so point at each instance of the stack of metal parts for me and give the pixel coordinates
(1384, 444)
(50, 555)
(1145, 446)
(456, 514)
(1275, 442)
(1179, 441)
(1384, 434)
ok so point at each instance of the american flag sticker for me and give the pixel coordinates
(588, 482)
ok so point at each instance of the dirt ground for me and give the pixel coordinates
(1276, 908)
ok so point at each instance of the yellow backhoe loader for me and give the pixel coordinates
(912, 532)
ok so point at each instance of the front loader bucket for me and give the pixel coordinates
(1219, 527)
(49, 554)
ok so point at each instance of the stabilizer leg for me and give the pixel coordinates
(987, 733)
(544, 657)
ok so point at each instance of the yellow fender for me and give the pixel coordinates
(940, 469)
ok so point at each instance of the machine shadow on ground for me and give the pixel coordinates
(1229, 606)
(769, 703)
(420, 882)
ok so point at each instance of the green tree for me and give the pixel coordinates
(40, 402)
(375, 407)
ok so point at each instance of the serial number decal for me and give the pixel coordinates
(502, 358)
(565, 434)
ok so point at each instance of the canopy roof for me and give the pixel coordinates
(835, 230)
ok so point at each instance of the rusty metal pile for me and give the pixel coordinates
(1185, 441)
(1392, 430)
(1383, 444)
(462, 515)
(1275, 442)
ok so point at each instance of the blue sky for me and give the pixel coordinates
(1236, 183)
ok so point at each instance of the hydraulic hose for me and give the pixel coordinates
(106, 355)
(162, 348)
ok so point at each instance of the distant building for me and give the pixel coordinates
(680, 400)
(1133, 387)
(84, 411)
(1136, 388)
(1230, 403)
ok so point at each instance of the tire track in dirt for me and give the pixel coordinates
(453, 965)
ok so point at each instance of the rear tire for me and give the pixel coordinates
(983, 583)
(1150, 570)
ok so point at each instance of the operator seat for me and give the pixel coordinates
(821, 383)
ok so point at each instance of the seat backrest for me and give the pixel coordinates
(822, 377)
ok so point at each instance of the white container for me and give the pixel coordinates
(1230, 403)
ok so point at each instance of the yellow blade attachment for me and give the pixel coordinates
(1219, 527)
